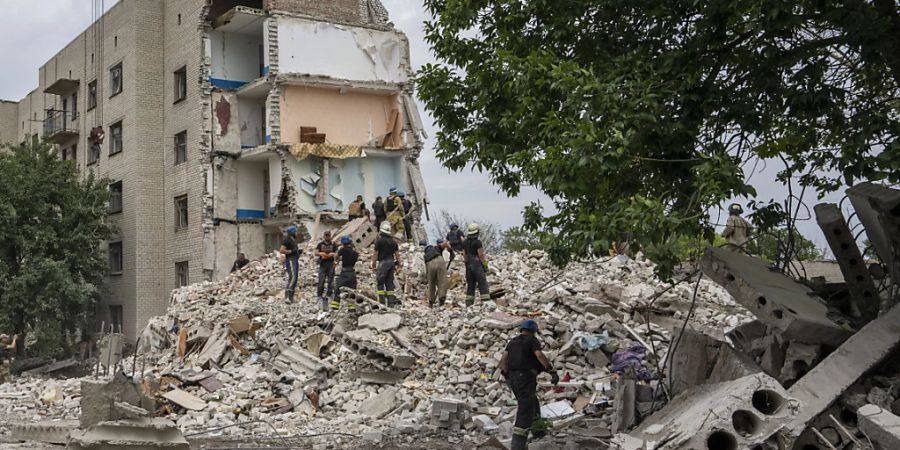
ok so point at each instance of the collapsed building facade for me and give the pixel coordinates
(220, 122)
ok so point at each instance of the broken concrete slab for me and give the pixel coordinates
(131, 433)
(731, 364)
(777, 300)
(843, 245)
(730, 415)
(380, 322)
(299, 361)
(484, 422)
(499, 320)
(98, 399)
(692, 360)
(839, 370)
(379, 405)
(383, 377)
(798, 360)
(878, 209)
(185, 400)
(377, 355)
(214, 347)
(881, 426)
(50, 432)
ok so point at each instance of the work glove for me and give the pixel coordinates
(554, 377)
(485, 265)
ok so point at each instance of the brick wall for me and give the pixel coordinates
(348, 11)
(9, 118)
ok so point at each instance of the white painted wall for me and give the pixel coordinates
(251, 185)
(274, 179)
(370, 177)
(250, 112)
(235, 57)
(339, 51)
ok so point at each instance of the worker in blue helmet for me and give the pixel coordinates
(436, 272)
(520, 364)
(291, 252)
(347, 256)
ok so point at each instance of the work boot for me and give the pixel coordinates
(518, 443)
(324, 304)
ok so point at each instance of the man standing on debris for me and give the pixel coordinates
(291, 252)
(737, 229)
(385, 260)
(325, 251)
(476, 266)
(240, 262)
(436, 271)
(394, 207)
(378, 210)
(455, 238)
(347, 257)
(520, 364)
(354, 211)
(407, 221)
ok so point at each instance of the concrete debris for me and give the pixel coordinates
(879, 425)
(185, 400)
(449, 413)
(380, 322)
(133, 433)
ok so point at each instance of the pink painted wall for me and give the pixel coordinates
(352, 118)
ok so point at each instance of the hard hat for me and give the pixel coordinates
(529, 325)
(292, 231)
(346, 239)
(453, 226)
(393, 190)
(735, 208)
(440, 241)
(423, 242)
(473, 229)
(385, 227)
(401, 194)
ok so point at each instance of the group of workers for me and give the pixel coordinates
(395, 210)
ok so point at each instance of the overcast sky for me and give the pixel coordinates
(31, 32)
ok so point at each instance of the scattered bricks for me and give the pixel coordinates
(778, 301)
(842, 243)
(449, 414)
(880, 426)
(484, 422)
(374, 437)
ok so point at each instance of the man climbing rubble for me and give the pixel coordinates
(737, 229)
(436, 271)
(347, 257)
(407, 221)
(520, 364)
(476, 266)
(325, 252)
(355, 210)
(378, 211)
(394, 208)
(291, 252)
(385, 260)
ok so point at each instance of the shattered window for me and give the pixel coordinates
(180, 84)
(181, 274)
(115, 80)
(116, 316)
(181, 212)
(115, 258)
(115, 197)
(181, 147)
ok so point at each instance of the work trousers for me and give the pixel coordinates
(292, 271)
(385, 279)
(523, 384)
(347, 278)
(436, 274)
(407, 228)
(396, 219)
(476, 277)
(378, 220)
(326, 276)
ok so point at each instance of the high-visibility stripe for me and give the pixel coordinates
(520, 431)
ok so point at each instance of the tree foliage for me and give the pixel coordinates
(490, 235)
(642, 115)
(516, 239)
(52, 224)
(778, 246)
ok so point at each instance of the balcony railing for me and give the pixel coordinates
(60, 126)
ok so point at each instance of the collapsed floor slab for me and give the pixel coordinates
(778, 301)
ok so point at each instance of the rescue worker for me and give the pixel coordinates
(436, 271)
(520, 364)
(385, 260)
(394, 208)
(355, 210)
(291, 253)
(476, 266)
(240, 262)
(325, 251)
(455, 238)
(737, 229)
(347, 257)
(378, 211)
(407, 221)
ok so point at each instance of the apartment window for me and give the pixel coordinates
(92, 95)
(115, 138)
(115, 197)
(116, 317)
(74, 109)
(180, 84)
(181, 274)
(181, 212)
(68, 153)
(179, 19)
(115, 258)
(181, 147)
(93, 154)
(115, 80)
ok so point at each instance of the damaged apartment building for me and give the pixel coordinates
(219, 123)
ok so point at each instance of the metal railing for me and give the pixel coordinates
(58, 121)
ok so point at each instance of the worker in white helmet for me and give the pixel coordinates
(476, 266)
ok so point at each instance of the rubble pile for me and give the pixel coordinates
(232, 351)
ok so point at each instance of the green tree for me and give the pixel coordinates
(639, 116)
(776, 246)
(52, 224)
(516, 239)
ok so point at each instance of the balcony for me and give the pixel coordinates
(60, 126)
(62, 86)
